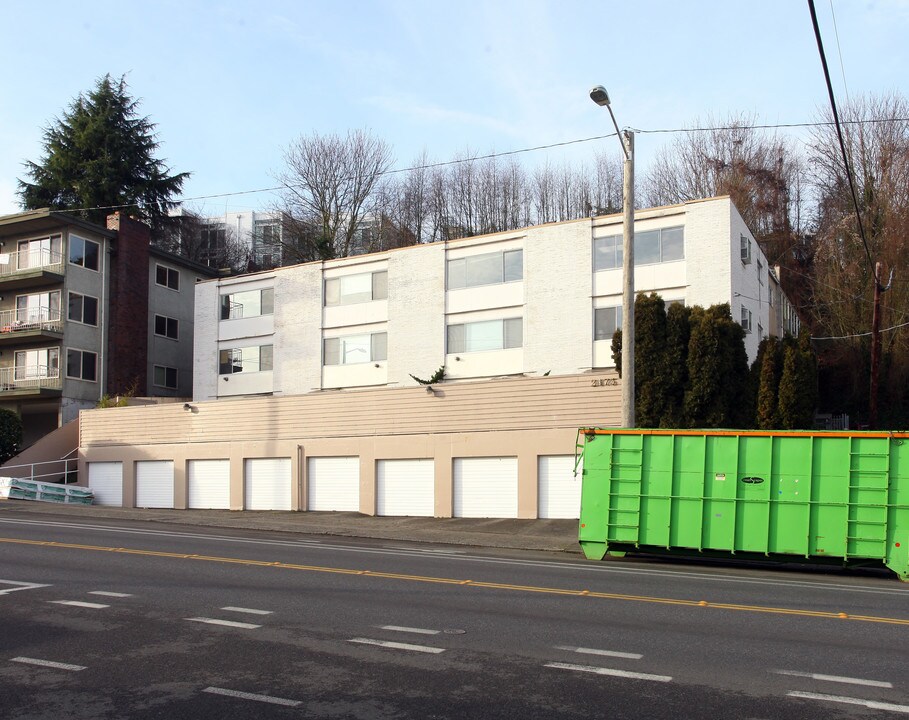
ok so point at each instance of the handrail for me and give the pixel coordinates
(69, 466)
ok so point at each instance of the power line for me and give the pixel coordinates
(864, 334)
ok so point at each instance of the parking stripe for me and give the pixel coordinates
(871, 704)
(248, 611)
(417, 631)
(604, 653)
(105, 593)
(252, 696)
(836, 678)
(79, 603)
(47, 664)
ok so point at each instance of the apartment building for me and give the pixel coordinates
(75, 311)
(445, 379)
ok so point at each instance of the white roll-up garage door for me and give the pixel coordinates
(560, 490)
(268, 484)
(486, 487)
(209, 484)
(405, 487)
(155, 484)
(105, 479)
(333, 483)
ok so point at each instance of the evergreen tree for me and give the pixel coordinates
(100, 156)
(650, 380)
(10, 434)
(798, 386)
(767, 417)
(675, 359)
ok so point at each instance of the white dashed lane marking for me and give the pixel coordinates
(19, 586)
(398, 646)
(79, 603)
(871, 704)
(836, 678)
(603, 653)
(106, 593)
(47, 664)
(609, 671)
(248, 611)
(225, 623)
(251, 696)
(417, 631)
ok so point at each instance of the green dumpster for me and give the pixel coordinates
(840, 496)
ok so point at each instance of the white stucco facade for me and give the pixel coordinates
(514, 303)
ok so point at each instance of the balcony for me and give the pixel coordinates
(30, 267)
(27, 381)
(30, 325)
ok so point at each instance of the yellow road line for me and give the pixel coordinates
(469, 583)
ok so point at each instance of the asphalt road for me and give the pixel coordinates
(132, 621)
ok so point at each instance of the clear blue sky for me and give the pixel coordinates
(230, 84)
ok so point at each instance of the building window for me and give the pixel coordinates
(83, 309)
(81, 365)
(165, 377)
(486, 335)
(360, 288)
(650, 247)
(39, 252)
(257, 358)
(354, 349)
(760, 269)
(248, 303)
(34, 309)
(167, 277)
(44, 363)
(212, 241)
(745, 245)
(267, 242)
(606, 321)
(746, 319)
(85, 253)
(167, 327)
(487, 269)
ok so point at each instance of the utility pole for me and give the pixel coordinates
(875, 348)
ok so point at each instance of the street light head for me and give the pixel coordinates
(600, 96)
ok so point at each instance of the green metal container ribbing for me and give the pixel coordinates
(796, 495)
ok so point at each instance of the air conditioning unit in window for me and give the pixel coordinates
(746, 251)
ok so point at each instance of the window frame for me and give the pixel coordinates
(503, 269)
(82, 358)
(378, 349)
(167, 327)
(503, 338)
(233, 359)
(617, 321)
(166, 369)
(618, 248)
(167, 276)
(81, 319)
(377, 291)
(71, 245)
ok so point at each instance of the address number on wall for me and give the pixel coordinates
(604, 382)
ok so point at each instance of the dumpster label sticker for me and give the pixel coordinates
(721, 477)
(753, 480)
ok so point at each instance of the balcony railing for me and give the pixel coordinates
(30, 377)
(40, 318)
(27, 260)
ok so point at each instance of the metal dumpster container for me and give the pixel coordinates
(787, 495)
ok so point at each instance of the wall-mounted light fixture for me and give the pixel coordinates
(430, 390)
(187, 407)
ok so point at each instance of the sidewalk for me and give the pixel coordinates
(549, 535)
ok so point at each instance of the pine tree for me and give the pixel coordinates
(798, 386)
(650, 379)
(675, 359)
(100, 156)
(769, 387)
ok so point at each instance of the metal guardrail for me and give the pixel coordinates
(30, 260)
(21, 320)
(30, 377)
(63, 470)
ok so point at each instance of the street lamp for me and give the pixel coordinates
(626, 137)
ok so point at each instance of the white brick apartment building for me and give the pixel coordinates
(304, 389)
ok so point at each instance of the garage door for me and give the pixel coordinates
(333, 483)
(560, 490)
(486, 487)
(155, 484)
(405, 487)
(209, 484)
(106, 482)
(268, 484)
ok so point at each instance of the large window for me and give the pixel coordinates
(39, 252)
(606, 321)
(85, 253)
(44, 363)
(167, 277)
(82, 365)
(650, 246)
(165, 377)
(354, 349)
(360, 288)
(167, 327)
(36, 308)
(83, 309)
(486, 335)
(486, 269)
(248, 303)
(257, 358)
